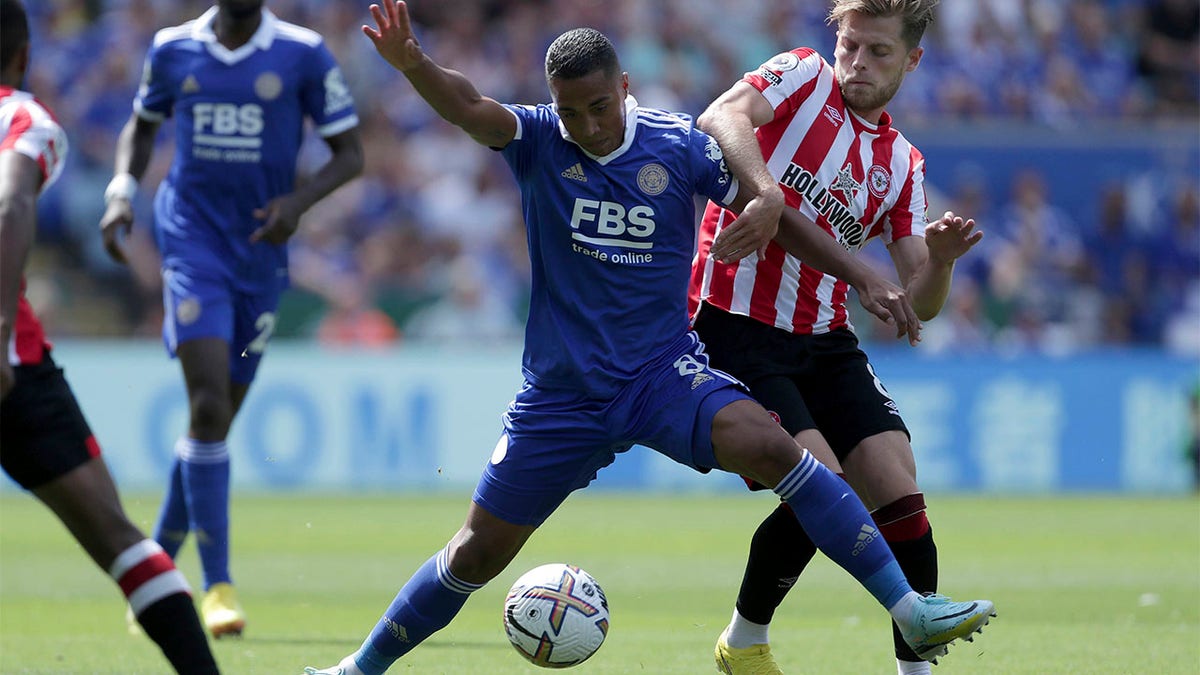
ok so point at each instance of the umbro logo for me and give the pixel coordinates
(833, 115)
(575, 172)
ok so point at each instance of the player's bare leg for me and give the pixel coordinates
(85, 499)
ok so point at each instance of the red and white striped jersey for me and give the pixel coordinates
(28, 127)
(854, 179)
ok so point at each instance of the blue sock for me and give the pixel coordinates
(206, 484)
(838, 523)
(426, 604)
(172, 527)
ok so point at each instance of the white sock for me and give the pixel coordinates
(903, 609)
(913, 667)
(349, 667)
(743, 633)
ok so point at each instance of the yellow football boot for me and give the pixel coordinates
(222, 613)
(754, 660)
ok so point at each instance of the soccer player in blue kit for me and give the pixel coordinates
(607, 189)
(240, 81)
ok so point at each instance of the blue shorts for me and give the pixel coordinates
(200, 307)
(555, 440)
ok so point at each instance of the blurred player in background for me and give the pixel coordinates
(821, 134)
(241, 82)
(45, 443)
(607, 189)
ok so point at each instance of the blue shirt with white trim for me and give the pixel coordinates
(239, 125)
(611, 241)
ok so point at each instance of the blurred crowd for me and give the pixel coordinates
(429, 242)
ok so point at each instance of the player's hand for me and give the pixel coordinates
(281, 216)
(950, 237)
(890, 303)
(114, 226)
(753, 229)
(394, 38)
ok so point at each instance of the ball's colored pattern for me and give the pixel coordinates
(556, 615)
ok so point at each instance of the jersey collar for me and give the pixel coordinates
(631, 106)
(202, 32)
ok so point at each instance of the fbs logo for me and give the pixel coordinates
(575, 172)
(866, 535)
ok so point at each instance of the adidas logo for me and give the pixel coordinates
(190, 85)
(396, 630)
(575, 172)
(866, 535)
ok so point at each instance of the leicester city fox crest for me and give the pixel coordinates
(713, 152)
(652, 179)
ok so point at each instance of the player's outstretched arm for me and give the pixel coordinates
(805, 240)
(134, 148)
(448, 92)
(926, 266)
(20, 180)
(731, 119)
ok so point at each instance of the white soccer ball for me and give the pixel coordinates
(556, 615)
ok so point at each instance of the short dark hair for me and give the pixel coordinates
(580, 52)
(915, 15)
(14, 30)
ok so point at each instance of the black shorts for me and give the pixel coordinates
(43, 434)
(811, 381)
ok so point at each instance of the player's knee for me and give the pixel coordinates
(477, 558)
(211, 414)
(764, 455)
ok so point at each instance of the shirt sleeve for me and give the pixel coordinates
(155, 100)
(713, 179)
(520, 153)
(787, 79)
(324, 94)
(907, 217)
(33, 132)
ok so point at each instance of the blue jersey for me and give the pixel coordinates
(239, 125)
(611, 241)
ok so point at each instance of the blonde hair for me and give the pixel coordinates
(915, 15)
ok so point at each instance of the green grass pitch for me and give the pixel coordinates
(1082, 585)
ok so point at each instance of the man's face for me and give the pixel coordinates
(871, 60)
(240, 9)
(592, 109)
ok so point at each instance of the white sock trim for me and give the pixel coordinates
(132, 556)
(913, 667)
(903, 607)
(201, 452)
(161, 586)
(743, 633)
(448, 579)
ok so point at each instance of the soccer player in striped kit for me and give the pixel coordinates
(45, 443)
(607, 189)
(820, 134)
(241, 82)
